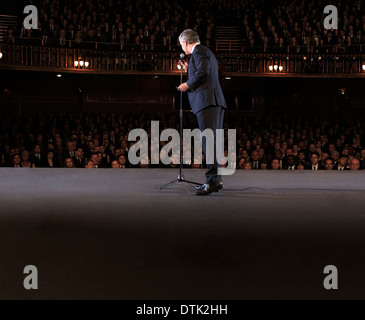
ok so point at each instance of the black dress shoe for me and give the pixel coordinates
(219, 186)
(205, 190)
(216, 187)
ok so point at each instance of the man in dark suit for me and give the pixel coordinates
(206, 98)
(314, 165)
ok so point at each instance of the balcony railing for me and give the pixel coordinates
(164, 60)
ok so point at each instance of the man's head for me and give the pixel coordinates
(188, 38)
(94, 158)
(37, 149)
(275, 164)
(343, 160)
(355, 164)
(328, 164)
(314, 158)
(291, 160)
(79, 152)
(255, 155)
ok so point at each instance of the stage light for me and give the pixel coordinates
(281, 68)
(304, 58)
(179, 67)
(275, 67)
(59, 76)
(76, 63)
(363, 67)
(271, 68)
(87, 64)
(81, 63)
(1, 54)
(227, 78)
(319, 58)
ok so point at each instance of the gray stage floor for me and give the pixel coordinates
(112, 234)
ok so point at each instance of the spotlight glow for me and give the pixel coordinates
(87, 64)
(363, 67)
(76, 63)
(281, 68)
(271, 68)
(59, 76)
(275, 67)
(179, 67)
(1, 55)
(81, 63)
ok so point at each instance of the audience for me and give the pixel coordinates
(101, 141)
(267, 26)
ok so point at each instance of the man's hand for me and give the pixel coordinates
(184, 65)
(183, 87)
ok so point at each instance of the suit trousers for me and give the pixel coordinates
(211, 117)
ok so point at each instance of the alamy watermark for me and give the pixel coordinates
(31, 21)
(170, 152)
(331, 21)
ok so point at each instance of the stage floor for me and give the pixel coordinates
(113, 234)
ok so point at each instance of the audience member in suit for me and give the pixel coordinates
(122, 160)
(342, 163)
(206, 98)
(314, 165)
(289, 163)
(355, 164)
(328, 164)
(37, 157)
(79, 158)
(255, 160)
(70, 152)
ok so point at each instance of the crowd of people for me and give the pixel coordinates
(280, 26)
(129, 25)
(297, 26)
(101, 140)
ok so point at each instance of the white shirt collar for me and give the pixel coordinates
(194, 47)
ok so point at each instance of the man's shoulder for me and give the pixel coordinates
(199, 48)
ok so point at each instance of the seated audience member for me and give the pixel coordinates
(314, 165)
(342, 163)
(300, 165)
(37, 157)
(50, 160)
(328, 164)
(247, 165)
(275, 164)
(69, 163)
(89, 164)
(25, 160)
(122, 160)
(16, 160)
(79, 158)
(355, 164)
(290, 163)
(115, 164)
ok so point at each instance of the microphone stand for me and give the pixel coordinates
(180, 177)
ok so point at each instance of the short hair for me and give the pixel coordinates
(190, 36)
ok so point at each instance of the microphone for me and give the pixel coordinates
(182, 57)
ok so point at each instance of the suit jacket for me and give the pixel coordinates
(203, 82)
